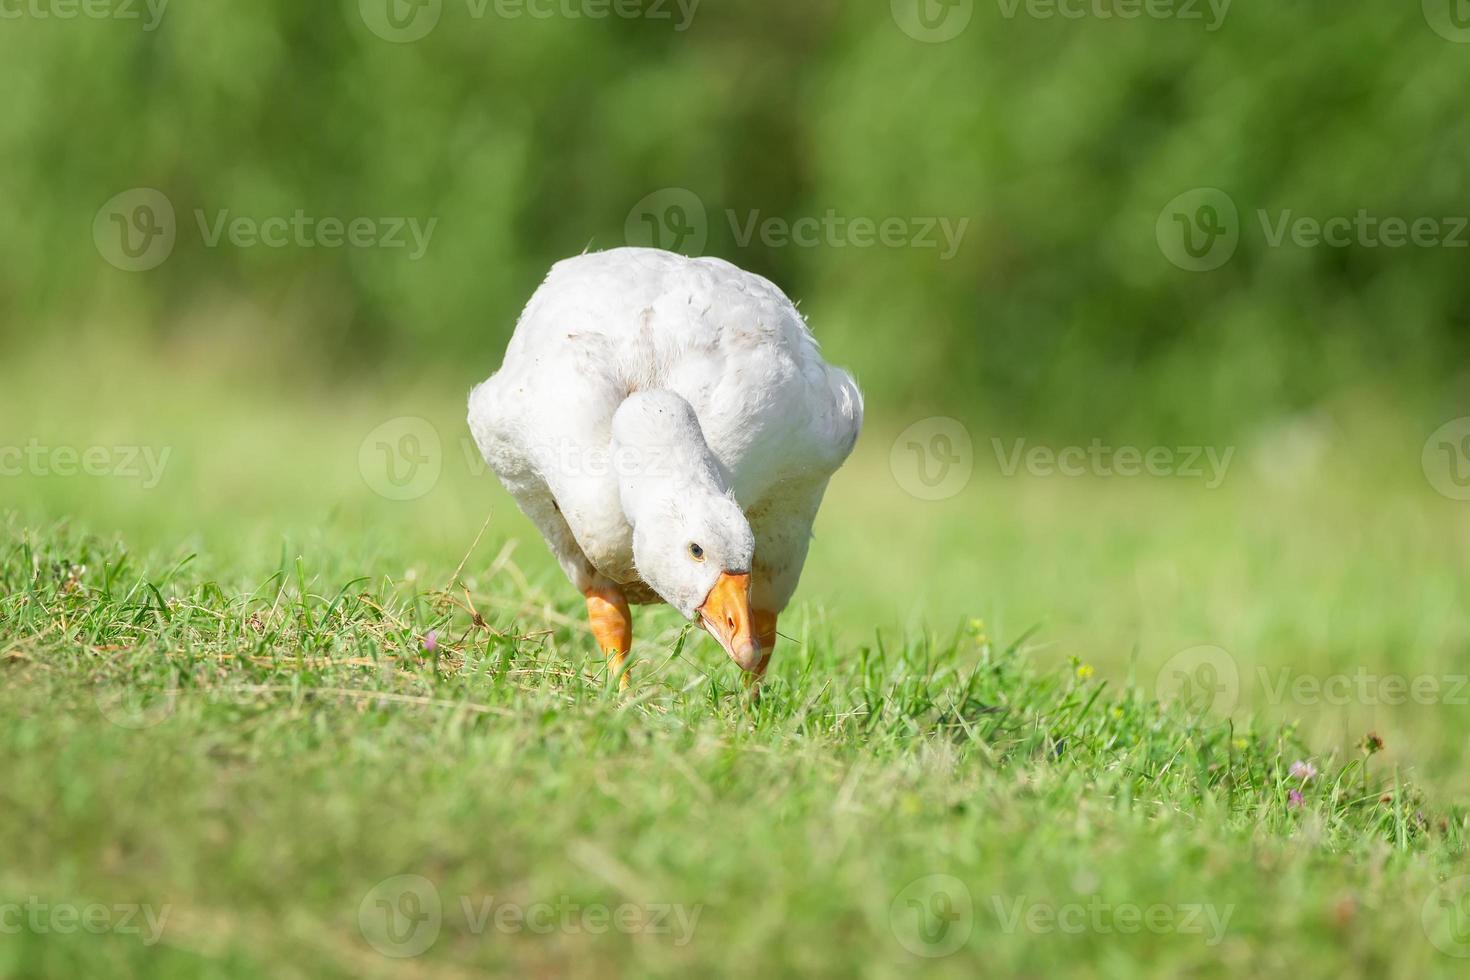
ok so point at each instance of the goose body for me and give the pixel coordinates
(639, 391)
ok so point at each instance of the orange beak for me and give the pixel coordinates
(726, 616)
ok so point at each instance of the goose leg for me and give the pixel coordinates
(612, 627)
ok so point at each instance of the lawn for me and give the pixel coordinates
(259, 719)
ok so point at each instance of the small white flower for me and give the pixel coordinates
(1304, 771)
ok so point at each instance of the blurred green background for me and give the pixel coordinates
(1058, 139)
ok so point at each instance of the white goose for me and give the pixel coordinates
(670, 427)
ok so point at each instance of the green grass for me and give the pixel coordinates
(257, 759)
(216, 703)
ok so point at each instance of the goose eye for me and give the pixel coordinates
(696, 552)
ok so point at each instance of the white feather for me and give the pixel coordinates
(776, 421)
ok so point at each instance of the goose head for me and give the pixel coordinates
(692, 543)
(697, 557)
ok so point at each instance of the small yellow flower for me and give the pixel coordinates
(1240, 744)
(1084, 671)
